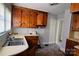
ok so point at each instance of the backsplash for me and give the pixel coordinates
(41, 32)
(74, 34)
(25, 31)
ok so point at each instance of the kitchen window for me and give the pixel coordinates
(1, 18)
(5, 18)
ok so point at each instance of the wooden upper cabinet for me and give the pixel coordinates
(25, 18)
(33, 19)
(40, 18)
(74, 7)
(16, 17)
(45, 17)
(75, 22)
(78, 22)
(28, 18)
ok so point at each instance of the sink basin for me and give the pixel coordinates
(16, 41)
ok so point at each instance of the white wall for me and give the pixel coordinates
(66, 17)
(47, 35)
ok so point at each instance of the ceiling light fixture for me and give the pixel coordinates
(54, 4)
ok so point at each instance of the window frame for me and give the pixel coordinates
(5, 20)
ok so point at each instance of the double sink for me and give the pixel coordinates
(14, 42)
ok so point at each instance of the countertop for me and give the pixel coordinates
(73, 39)
(77, 46)
(12, 50)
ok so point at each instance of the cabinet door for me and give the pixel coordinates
(69, 44)
(69, 47)
(16, 17)
(33, 19)
(25, 18)
(32, 41)
(75, 22)
(45, 16)
(74, 7)
(76, 52)
(40, 18)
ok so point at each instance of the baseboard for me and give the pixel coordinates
(47, 43)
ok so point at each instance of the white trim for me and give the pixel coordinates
(47, 43)
(2, 33)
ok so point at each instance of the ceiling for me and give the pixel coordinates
(55, 9)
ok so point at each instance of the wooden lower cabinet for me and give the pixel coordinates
(76, 52)
(70, 47)
(32, 42)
